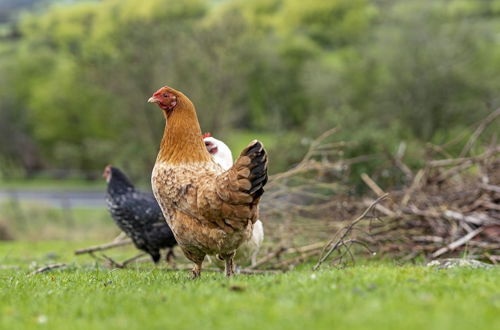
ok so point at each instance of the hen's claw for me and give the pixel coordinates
(229, 264)
(196, 272)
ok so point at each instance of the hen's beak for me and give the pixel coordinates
(152, 99)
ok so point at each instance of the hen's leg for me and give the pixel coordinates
(196, 271)
(169, 258)
(197, 257)
(229, 263)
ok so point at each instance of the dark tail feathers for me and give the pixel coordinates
(258, 167)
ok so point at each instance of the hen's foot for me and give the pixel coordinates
(229, 264)
(196, 272)
(170, 258)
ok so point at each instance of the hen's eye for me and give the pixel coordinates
(165, 95)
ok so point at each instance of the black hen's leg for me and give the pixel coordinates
(155, 255)
(170, 256)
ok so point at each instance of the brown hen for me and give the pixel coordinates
(210, 211)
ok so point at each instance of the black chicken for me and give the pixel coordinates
(138, 215)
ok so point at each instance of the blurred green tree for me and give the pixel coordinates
(75, 78)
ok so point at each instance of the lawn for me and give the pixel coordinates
(86, 295)
(35, 222)
(375, 295)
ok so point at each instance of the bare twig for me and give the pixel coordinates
(454, 171)
(282, 251)
(103, 247)
(123, 264)
(381, 208)
(452, 246)
(479, 130)
(122, 236)
(346, 231)
(267, 258)
(414, 186)
(112, 262)
(491, 187)
(247, 271)
(48, 268)
(296, 260)
(372, 185)
(134, 259)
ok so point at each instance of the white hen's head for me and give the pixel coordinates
(219, 150)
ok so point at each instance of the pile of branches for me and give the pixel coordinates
(298, 205)
(451, 207)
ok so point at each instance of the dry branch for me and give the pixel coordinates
(103, 247)
(48, 268)
(335, 243)
(372, 185)
(287, 251)
(291, 262)
(123, 264)
(457, 243)
(479, 130)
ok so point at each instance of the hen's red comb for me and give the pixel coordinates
(206, 135)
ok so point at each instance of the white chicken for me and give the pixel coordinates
(223, 156)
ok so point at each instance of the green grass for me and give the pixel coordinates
(34, 222)
(371, 296)
(26, 254)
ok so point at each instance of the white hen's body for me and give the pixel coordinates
(222, 155)
(248, 250)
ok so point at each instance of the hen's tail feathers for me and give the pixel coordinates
(252, 169)
(243, 184)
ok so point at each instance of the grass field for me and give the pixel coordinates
(369, 296)
(35, 222)
(85, 295)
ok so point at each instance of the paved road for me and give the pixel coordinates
(55, 198)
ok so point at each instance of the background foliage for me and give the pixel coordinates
(75, 76)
